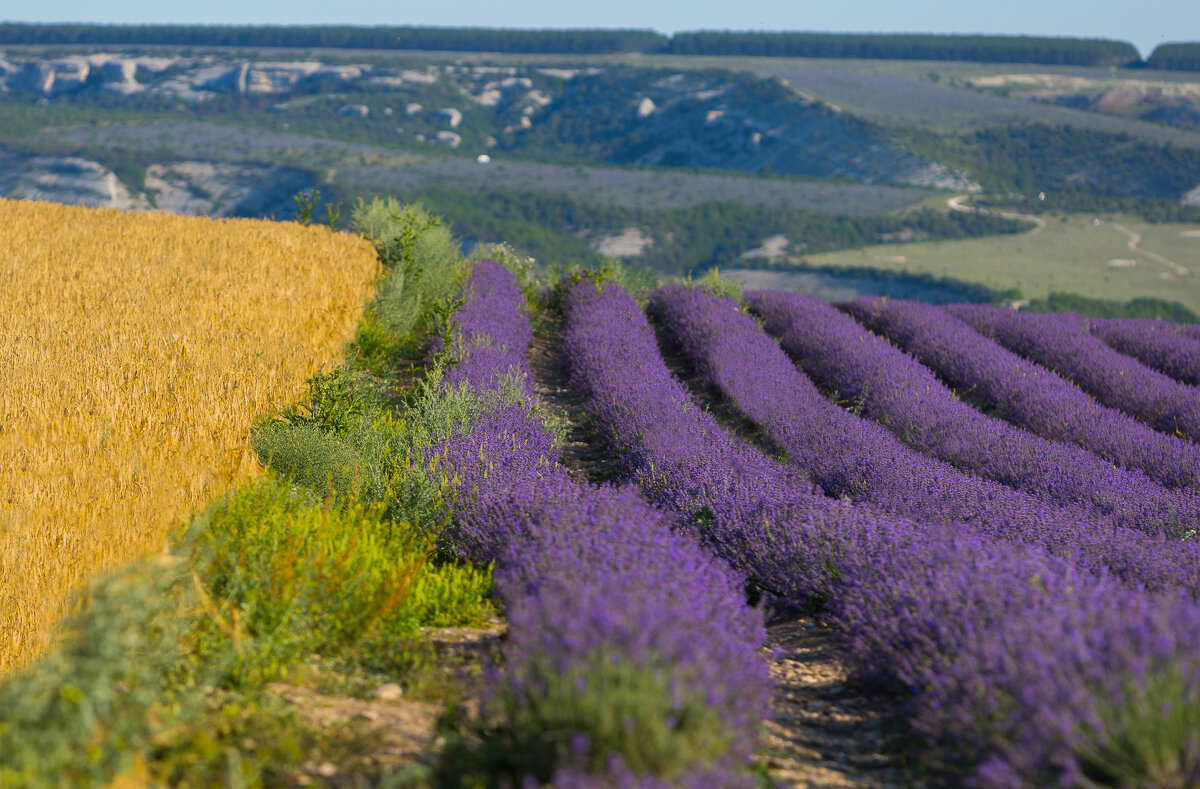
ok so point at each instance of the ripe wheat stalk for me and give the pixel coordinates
(136, 352)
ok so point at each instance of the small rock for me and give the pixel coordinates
(450, 115)
(327, 770)
(368, 715)
(389, 691)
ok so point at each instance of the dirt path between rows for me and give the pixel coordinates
(583, 451)
(825, 731)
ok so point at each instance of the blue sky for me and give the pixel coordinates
(1145, 23)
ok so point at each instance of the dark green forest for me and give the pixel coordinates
(1077, 202)
(464, 39)
(990, 49)
(993, 49)
(1067, 162)
(1176, 57)
(1158, 309)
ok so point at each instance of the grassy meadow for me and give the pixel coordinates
(1070, 254)
(137, 352)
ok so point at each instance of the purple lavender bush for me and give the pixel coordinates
(1015, 658)
(854, 457)
(493, 332)
(1062, 343)
(1160, 345)
(894, 389)
(601, 679)
(1032, 397)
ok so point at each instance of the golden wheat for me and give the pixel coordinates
(136, 351)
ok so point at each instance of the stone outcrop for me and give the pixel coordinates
(65, 179)
(451, 116)
(218, 189)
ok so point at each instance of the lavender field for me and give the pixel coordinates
(597, 531)
(995, 514)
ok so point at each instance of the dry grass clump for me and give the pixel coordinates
(136, 351)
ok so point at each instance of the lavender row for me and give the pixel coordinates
(900, 393)
(854, 457)
(1162, 346)
(1013, 656)
(492, 335)
(602, 598)
(682, 459)
(1062, 343)
(1038, 400)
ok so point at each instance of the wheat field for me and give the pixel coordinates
(136, 351)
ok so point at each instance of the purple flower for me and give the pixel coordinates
(1042, 402)
(591, 577)
(1009, 651)
(1062, 343)
(849, 456)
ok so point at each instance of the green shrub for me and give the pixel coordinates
(722, 286)
(636, 280)
(451, 595)
(333, 404)
(382, 457)
(423, 265)
(118, 678)
(284, 577)
(319, 461)
(581, 720)
(1149, 741)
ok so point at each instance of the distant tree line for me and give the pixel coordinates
(465, 39)
(551, 227)
(990, 49)
(1076, 202)
(1175, 57)
(996, 49)
(1158, 309)
(1032, 157)
(903, 284)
